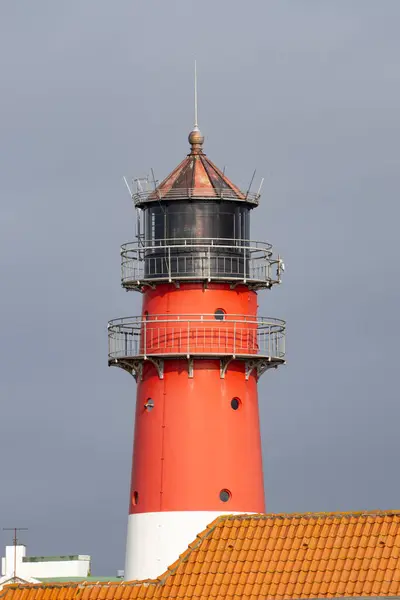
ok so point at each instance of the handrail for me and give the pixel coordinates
(155, 195)
(194, 334)
(237, 244)
(225, 259)
(196, 317)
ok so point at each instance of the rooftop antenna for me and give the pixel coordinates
(127, 185)
(15, 543)
(251, 183)
(154, 180)
(157, 191)
(131, 195)
(196, 125)
(259, 189)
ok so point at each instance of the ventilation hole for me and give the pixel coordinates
(235, 403)
(135, 498)
(219, 314)
(149, 404)
(225, 495)
(305, 545)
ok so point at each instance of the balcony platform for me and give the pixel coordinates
(199, 259)
(143, 197)
(259, 342)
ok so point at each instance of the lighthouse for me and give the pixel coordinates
(196, 352)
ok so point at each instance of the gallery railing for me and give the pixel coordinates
(144, 196)
(196, 335)
(199, 259)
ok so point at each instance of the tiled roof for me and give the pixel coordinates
(256, 557)
(91, 578)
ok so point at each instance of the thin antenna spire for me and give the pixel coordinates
(195, 138)
(196, 125)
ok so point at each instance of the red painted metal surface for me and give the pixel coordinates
(192, 444)
(236, 333)
(195, 298)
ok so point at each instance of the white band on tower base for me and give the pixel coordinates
(156, 540)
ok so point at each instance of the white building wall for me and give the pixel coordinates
(63, 567)
(55, 568)
(7, 561)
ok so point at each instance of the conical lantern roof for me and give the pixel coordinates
(196, 177)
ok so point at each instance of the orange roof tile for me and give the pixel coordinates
(276, 557)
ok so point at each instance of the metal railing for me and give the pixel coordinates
(191, 335)
(143, 196)
(199, 258)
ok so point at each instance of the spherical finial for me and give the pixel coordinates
(196, 139)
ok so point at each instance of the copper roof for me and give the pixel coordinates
(196, 177)
(321, 555)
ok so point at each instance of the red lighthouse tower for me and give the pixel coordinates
(196, 352)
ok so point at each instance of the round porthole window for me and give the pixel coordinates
(235, 403)
(135, 498)
(225, 495)
(219, 314)
(149, 404)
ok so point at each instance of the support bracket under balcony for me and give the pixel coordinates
(159, 365)
(190, 367)
(258, 364)
(224, 364)
(136, 368)
(143, 284)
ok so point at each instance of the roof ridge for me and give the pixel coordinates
(298, 515)
(222, 175)
(172, 569)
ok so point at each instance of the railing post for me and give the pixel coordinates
(169, 263)
(188, 339)
(209, 263)
(140, 264)
(269, 341)
(112, 344)
(145, 338)
(245, 263)
(234, 338)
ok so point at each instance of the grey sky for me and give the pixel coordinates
(306, 91)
